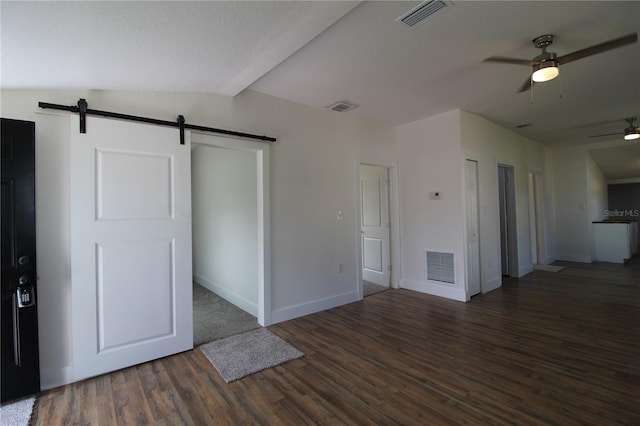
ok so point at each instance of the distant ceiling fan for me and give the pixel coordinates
(630, 133)
(545, 65)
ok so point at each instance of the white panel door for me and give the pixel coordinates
(130, 245)
(472, 231)
(375, 224)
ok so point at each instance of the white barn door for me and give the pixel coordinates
(130, 245)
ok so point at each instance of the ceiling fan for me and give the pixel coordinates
(630, 133)
(545, 65)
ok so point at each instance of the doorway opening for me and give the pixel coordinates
(507, 214)
(375, 229)
(230, 236)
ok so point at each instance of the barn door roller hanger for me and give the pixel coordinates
(81, 108)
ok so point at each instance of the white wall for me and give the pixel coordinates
(313, 176)
(224, 211)
(53, 246)
(491, 145)
(597, 198)
(549, 184)
(431, 154)
(429, 160)
(570, 170)
(581, 198)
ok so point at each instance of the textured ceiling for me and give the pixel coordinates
(216, 47)
(317, 53)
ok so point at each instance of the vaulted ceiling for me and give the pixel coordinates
(317, 53)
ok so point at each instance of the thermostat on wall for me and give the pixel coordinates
(437, 195)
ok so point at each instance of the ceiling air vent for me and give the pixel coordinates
(423, 11)
(342, 106)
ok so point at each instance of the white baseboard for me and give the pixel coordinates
(435, 289)
(491, 285)
(296, 311)
(524, 270)
(229, 296)
(53, 377)
(580, 258)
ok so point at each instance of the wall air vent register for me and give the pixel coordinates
(440, 267)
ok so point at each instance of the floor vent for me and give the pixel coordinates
(423, 11)
(440, 267)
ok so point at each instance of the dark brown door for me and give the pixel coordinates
(20, 359)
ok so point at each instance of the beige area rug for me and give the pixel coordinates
(548, 268)
(238, 356)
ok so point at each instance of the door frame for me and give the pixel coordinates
(261, 151)
(466, 230)
(394, 229)
(20, 334)
(383, 231)
(510, 211)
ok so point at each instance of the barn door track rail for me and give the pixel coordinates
(82, 109)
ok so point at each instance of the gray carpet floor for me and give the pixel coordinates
(214, 318)
(369, 288)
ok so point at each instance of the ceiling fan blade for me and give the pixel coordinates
(607, 134)
(598, 48)
(525, 86)
(512, 61)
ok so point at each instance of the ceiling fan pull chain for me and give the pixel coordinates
(532, 88)
(560, 82)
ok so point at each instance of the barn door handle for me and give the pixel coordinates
(16, 330)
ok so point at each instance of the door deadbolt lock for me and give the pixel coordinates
(26, 297)
(23, 280)
(23, 260)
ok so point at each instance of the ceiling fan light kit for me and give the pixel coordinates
(545, 71)
(545, 65)
(631, 134)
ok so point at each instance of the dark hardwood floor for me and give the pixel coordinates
(550, 348)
